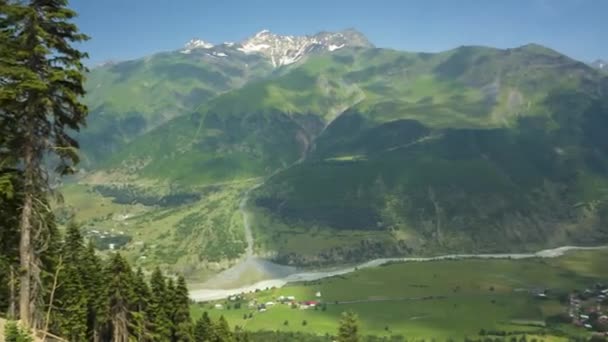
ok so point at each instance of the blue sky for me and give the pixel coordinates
(127, 29)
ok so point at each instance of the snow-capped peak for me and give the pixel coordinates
(262, 33)
(196, 43)
(284, 49)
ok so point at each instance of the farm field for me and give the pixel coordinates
(438, 299)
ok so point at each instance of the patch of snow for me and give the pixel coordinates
(198, 44)
(187, 51)
(221, 54)
(284, 50)
(335, 47)
(263, 32)
(248, 48)
(229, 44)
(286, 60)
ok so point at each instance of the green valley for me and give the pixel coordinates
(369, 152)
(450, 299)
(449, 184)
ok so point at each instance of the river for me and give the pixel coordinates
(206, 294)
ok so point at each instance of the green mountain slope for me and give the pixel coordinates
(501, 151)
(377, 152)
(130, 98)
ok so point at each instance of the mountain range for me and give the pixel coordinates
(600, 64)
(357, 151)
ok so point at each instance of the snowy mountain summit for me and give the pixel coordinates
(284, 49)
(196, 43)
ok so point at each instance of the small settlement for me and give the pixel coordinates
(281, 300)
(589, 308)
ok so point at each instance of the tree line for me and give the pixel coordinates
(89, 298)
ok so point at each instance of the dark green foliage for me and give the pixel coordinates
(13, 333)
(96, 293)
(349, 329)
(121, 296)
(71, 294)
(179, 310)
(126, 194)
(222, 331)
(158, 308)
(142, 325)
(41, 89)
(103, 300)
(9, 235)
(204, 329)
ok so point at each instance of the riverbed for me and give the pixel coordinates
(291, 275)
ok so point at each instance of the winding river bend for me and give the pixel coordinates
(205, 294)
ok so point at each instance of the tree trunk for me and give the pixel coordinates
(25, 243)
(11, 307)
(120, 324)
(53, 289)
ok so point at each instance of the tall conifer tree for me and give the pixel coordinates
(96, 292)
(181, 316)
(141, 321)
(349, 328)
(203, 329)
(71, 297)
(42, 85)
(157, 307)
(121, 297)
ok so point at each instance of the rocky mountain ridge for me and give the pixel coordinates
(284, 50)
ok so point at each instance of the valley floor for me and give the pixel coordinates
(435, 299)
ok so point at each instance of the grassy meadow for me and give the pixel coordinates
(439, 299)
(195, 239)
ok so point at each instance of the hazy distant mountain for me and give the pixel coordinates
(600, 64)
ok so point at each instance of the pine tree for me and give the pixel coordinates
(157, 307)
(13, 333)
(121, 296)
(181, 316)
(203, 329)
(222, 331)
(71, 294)
(141, 320)
(349, 330)
(9, 239)
(96, 292)
(170, 310)
(42, 85)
